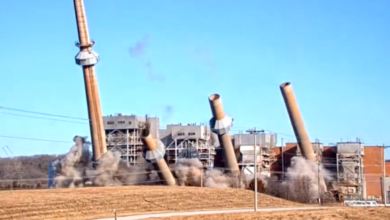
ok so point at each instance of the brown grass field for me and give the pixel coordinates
(334, 214)
(90, 203)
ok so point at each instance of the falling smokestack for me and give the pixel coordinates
(301, 135)
(154, 152)
(87, 58)
(221, 124)
(297, 123)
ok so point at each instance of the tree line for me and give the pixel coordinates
(25, 172)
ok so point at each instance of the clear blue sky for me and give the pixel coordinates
(335, 52)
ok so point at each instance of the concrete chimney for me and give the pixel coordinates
(87, 58)
(301, 135)
(221, 125)
(154, 151)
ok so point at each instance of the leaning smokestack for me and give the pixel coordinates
(221, 124)
(301, 135)
(154, 152)
(303, 140)
(87, 58)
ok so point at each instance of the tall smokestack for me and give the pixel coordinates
(87, 58)
(301, 135)
(221, 124)
(297, 122)
(154, 152)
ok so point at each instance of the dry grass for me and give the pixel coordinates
(89, 203)
(333, 214)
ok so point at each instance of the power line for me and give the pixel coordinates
(287, 136)
(34, 139)
(41, 113)
(76, 118)
(50, 119)
(70, 117)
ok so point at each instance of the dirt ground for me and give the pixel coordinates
(89, 203)
(333, 214)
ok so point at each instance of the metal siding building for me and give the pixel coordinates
(123, 134)
(265, 157)
(181, 141)
(189, 141)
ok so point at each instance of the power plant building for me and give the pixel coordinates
(189, 141)
(265, 154)
(123, 134)
(357, 169)
(349, 164)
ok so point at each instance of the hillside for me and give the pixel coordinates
(32, 170)
(88, 203)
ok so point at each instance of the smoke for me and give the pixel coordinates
(108, 166)
(302, 181)
(302, 167)
(113, 171)
(152, 74)
(168, 113)
(138, 50)
(214, 139)
(189, 172)
(168, 110)
(73, 170)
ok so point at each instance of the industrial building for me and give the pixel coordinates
(265, 154)
(123, 134)
(181, 141)
(189, 141)
(357, 169)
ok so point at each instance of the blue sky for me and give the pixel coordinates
(335, 53)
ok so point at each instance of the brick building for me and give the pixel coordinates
(365, 170)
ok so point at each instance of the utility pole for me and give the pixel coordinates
(347, 186)
(282, 160)
(384, 176)
(255, 132)
(6, 153)
(317, 150)
(337, 167)
(319, 190)
(127, 146)
(201, 180)
(12, 153)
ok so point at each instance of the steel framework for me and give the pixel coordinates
(349, 162)
(191, 148)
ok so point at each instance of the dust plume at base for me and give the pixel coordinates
(301, 182)
(71, 170)
(190, 172)
(75, 170)
(113, 171)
